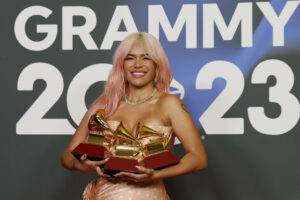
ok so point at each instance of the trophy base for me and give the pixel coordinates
(160, 160)
(117, 164)
(93, 152)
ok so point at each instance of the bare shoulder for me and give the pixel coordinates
(169, 102)
(166, 99)
(176, 113)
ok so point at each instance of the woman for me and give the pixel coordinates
(137, 90)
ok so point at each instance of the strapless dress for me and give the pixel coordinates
(116, 189)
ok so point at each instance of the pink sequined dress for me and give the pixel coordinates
(107, 189)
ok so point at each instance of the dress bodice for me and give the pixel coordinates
(166, 130)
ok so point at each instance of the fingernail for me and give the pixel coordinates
(138, 167)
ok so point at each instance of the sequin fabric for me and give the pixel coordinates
(116, 189)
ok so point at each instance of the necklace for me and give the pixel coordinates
(141, 101)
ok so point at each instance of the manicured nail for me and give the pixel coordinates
(138, 167)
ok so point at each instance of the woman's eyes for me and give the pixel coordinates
(128, 58)
(131, 58)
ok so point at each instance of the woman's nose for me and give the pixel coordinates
(138, 62)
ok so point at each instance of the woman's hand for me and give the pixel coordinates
(146, 175)
(88, 165)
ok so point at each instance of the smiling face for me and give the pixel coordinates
(139, 68)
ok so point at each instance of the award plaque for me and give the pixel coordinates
(97, 145)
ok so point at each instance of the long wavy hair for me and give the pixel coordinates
(116, 86)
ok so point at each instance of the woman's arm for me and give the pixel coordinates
(185, 129)
(68, 160)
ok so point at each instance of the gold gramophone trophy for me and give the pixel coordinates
(155, 154)
(99, 139)
(128, 150)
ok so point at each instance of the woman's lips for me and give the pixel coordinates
(138, 74)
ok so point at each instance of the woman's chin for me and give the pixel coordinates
(139, 84)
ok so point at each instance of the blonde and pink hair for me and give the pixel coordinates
(116, 86)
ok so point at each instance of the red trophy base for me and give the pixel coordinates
(93, 152)
(161, 160)
(158, 161)
(116, 164)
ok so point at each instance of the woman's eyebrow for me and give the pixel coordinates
(144, 54)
